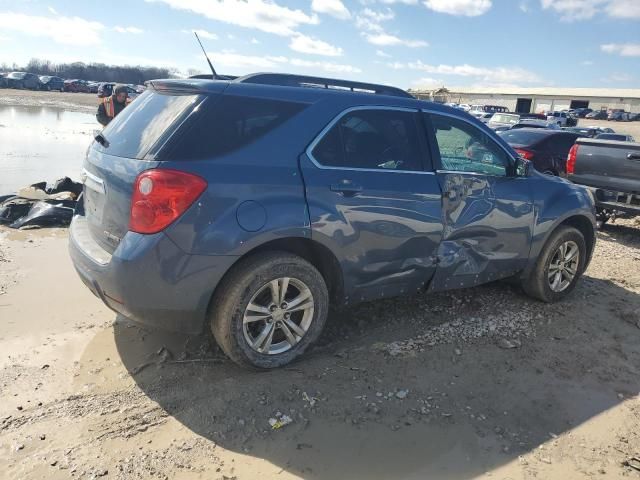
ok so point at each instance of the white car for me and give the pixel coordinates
(559, 118)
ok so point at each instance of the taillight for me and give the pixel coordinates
(526, 154)
(160, 197)
(571, 159)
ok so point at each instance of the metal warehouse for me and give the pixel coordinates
(535, 100)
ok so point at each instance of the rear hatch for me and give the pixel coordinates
(130, 144)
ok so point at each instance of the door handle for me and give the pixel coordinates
(346, 187)
(634, 156)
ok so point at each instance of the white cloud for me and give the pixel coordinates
(263, 15)
(494, 74)
(427, 82)
(335, 8)
(64, 30)
(304, 44)
(255, 41)
(134, 30)
(384, 39)
(251, 63)
(52, 10)
(586, 63)
(326, 66)
(618, 77)
(370, 21)
(469, 8)
(622, 49)
(524, 7)
(571, 10)
(380, 53)
(202, 34)
(404, 2)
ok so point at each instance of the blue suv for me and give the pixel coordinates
(250, 206)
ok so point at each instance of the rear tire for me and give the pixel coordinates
(271, 333)
(549, 281)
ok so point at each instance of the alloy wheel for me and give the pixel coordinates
(563, 267)
(278, 316)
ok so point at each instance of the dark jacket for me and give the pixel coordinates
(102, 116)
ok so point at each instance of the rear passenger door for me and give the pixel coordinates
(374, 200)
(487, 209)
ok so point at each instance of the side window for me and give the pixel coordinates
(372, 139)
(229, 123)
(464, 148)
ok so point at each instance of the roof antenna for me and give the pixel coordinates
(213, 70)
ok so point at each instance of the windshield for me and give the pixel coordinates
(505, 118)
(522, 137)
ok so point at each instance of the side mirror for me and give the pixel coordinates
(523, 167)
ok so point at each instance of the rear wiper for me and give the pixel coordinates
(101, 139)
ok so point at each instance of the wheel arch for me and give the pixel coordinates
(584, 226)
(315, 253)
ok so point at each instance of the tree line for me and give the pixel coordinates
(98, 72)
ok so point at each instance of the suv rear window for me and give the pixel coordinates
(226, 123)
(146, 123)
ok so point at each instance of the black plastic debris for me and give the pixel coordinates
(41, 206)
(45, 214)
(12, 208)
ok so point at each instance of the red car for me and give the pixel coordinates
(76, 86)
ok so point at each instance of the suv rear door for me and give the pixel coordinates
(487, 209)
(374, 200)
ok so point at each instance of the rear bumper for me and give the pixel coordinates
(148, 278)
(620, 201)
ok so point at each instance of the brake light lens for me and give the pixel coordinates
(571, 159)
(160, 197)
(526, 154)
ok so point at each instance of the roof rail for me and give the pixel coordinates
(290, 80)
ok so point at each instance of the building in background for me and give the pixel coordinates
(537, 100)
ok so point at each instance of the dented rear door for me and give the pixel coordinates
(487, 210)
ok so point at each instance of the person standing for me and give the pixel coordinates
(111, 106)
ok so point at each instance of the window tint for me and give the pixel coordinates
(373, 139)
(563, 143)
(464, 148)
(227, 123)
(140, 126)
(523, 137)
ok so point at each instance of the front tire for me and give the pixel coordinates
(269, 309)
(559, 266)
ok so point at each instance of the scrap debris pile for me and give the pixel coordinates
(39, 206)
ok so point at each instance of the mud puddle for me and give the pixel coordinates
(41, 143)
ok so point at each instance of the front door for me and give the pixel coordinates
(372, 201)
(487, 209)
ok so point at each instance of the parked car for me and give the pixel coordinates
(534, 123)
(48, 82)
(562, 119)
(611, 170)
(3, 80)
(547, 149)
(23, 80)
(76, 86)
(536, 116)
(582, 112)
(106, 89)
(503, 121)
(599, 115)
(495, 109)
(93, 87)
(248, 207)
(485, 117)
(584, 131)
(635, 117)
(602, 129)
(615, 136)
(619, 116)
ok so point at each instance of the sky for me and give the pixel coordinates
(407, 43)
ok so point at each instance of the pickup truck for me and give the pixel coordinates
(611, 170)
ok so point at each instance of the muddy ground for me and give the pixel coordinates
(480, 383)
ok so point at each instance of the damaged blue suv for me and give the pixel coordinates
(249, 206)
